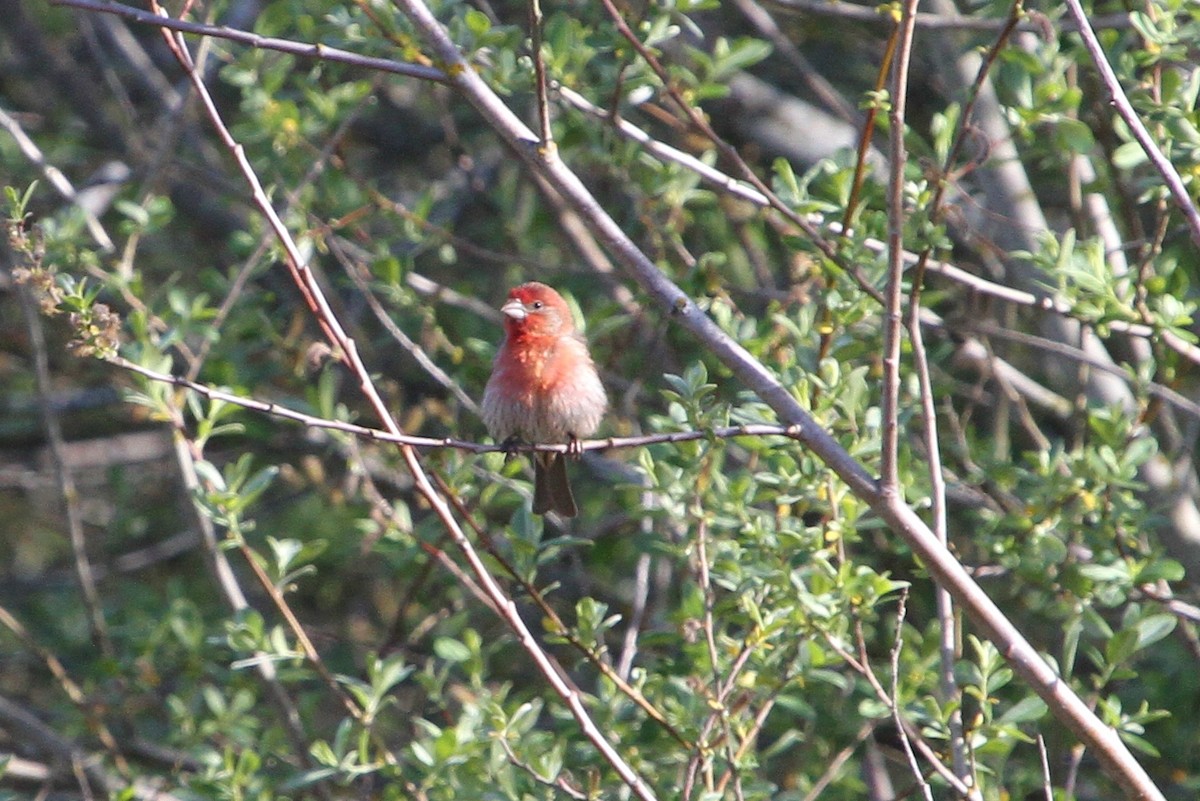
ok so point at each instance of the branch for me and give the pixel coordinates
(345, 347)
(71, 501)
(302, 49)
(744, 191)
(892, 321)
(945, 569)
(59, 181)
(931, 21)
(311, 421)
(1120, 100)
(27, 728)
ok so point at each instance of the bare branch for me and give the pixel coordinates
(345, 347)
(302, 49)
(1026, 661)
(57, 180)
(1170, 176)
(29, 729)
(875, 15)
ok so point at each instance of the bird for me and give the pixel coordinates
(543, 389)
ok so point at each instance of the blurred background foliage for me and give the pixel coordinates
(750, 598)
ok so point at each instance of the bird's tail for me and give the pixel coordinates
(551, 488)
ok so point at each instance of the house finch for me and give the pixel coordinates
(544, 389)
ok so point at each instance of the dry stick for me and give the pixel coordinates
(73, 691)
(1170, 176)
(926, 20)
(18, 720)
(559, 626)
(539, 72)
(889, 483)
(749, 193)
(610, 443)
(59, 181)
(739, 188)
(894, 694)
(945, 569)
(345, 346)
(303, 49)
(62, 474)
(232, 592)
(711, 641)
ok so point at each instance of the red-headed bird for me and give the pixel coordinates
(544, 389)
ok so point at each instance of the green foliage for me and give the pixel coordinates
(732, 618)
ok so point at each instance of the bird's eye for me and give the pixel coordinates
(537, 304)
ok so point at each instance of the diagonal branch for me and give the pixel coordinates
(1170, 176)
(303, 49)
(946, 570)
(345, 346)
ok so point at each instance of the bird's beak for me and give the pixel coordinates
(514, 309)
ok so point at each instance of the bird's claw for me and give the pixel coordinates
(509, 447)
(574, 447)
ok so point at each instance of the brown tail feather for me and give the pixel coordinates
(551, 489)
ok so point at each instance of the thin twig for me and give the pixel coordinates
(57, 180)
(69, 686)
(892, 319)
(876, 15)
(355, 271)
(62, 473)
(303, 49)
(539, 72)
(609, 443)
(868, 130)
(835, 765)
(894, 698)
(710, 640)
(637, 611)
(1170, 176)
(862, 666)
(559, 782)
(25, 726)
(1047, 785)
(560, 627)
(345, 347)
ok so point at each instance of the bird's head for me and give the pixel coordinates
(534, 311)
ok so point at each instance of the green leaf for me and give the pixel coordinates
(451, 650)
(1074, 136)
(1027, 710)
(1128, 156)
